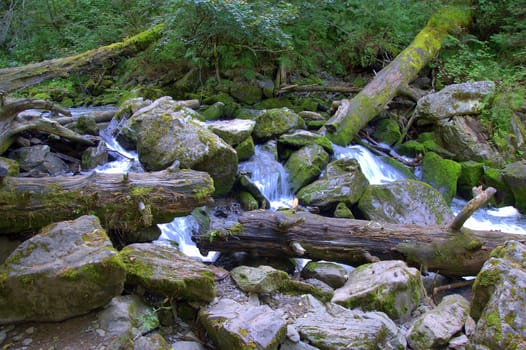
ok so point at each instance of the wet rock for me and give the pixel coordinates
(262, 279)
(332, 326)
(214, 111)
(434, 329)
(499, 299)
(387, 131)
(388, 286)
(92, 157)
(165, 271)
(405, 202)
(275, 122)
(187, 345)
(231, 325)
(234, 131)
(333, 274)
(514, 175)
(442, 174)
(68, 269)
(300, 138)
(151, 342)
(470, 176)
(245, 149)
(343, 181)
(39, 159)
(306, 165)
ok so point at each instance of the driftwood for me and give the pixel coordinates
(15, 78)
(394, 79)
(124, 203)
(354, 242)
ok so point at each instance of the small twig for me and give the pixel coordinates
(481, 199)
(455, 285)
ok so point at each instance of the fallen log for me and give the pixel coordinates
(317, 88)
(15, 78)
(354, 114)
(354, 242)
(124, 203)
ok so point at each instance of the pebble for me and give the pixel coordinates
(30, 330)
(27, 341)
(100, 332)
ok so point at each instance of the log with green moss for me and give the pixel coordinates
(124, 203)
(354, 242)
(393, 80)
(15, 78)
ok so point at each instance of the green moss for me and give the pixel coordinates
(141, 192)
(493, 320)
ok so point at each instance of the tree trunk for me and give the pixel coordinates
(353, 115)
(15, 78)
(124, 203)
(354, 242)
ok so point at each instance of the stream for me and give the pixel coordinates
(270, 177)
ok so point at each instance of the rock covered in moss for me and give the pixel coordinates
(405, 202)
(245, 149)
(331, 326)
(442, 174)
(470, 176)
(514, 176)
(333, 274)
(9, 166)
(233, 131)
(435, 328)
(387, 131)
(214, 112)
(231, 325)
(246, 93)
(68, 269)
(499, 299)
(275, 122)
(388, 286)
(343, 181)
(343, 211)
(262, 279)
(306, 165)
(163, 270)
(299, 138)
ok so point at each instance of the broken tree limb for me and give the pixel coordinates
(124, 203)
(482, 197)
(354, 242)
(353, 115)
(15, 78)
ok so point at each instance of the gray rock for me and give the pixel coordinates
(388, 286)
(434, 329)
(123, 316)
(458, 343)
(68, 269)
(187, 345)
(343, 181)
(454, 100)
(92, 157)
(262, 279)
(332, 326)
(333, 274)
(39, 159)
(233, 131)
(499, 299)
(275, 122)
(231, 325)
(405, 202)
(165, 271)
(290, 345)
(306, 165)
(300, 138)
(9, 167)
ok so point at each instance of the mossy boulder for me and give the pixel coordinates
(231, 325)
(68, 269)
(262, 279)
(246, 93)
(92, 157)
(233, 131)
(343, 211)
(275, 102)
(167, 132)
(387, 131)
(164, 271)
(343, 181)
(245, 149)
(214, 111)
(10, 166)
(470, 176)
(493, 177)
(247, 201)
(274, 122)
(442, 174)
(514, 175)
(405, 202)
(387, 286)
(299, 138)
(333, 274)
(435, 328)
(499, 299)
(306, 165)
(411, 148)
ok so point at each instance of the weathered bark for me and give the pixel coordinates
(354, 242)
(11, 124)
(15, 78)
(316, 88)
(482, 197)
(124, 203)
(353, 115)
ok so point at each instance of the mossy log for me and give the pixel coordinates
(124, 203)
(354, 242)
(353, 115)
(15, 78)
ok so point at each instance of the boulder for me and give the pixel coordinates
(214, 111)
(246, 93)
(389, 286)
(333, 274)
(514, 175)
(163, 270)
(245, 149)
(92, 157)
(166, 132)
(343, 181)
(68, 269)
(499, 299)
(454, 100)
(233, 131)
(435, 328)
(231, 325)
(262, 279)
(299, 138)
(387, 131)
(332, 326)
(306, 165)
(405, 202)
(470, 176)
(275, 122)
(442, 174)
(39, 160)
